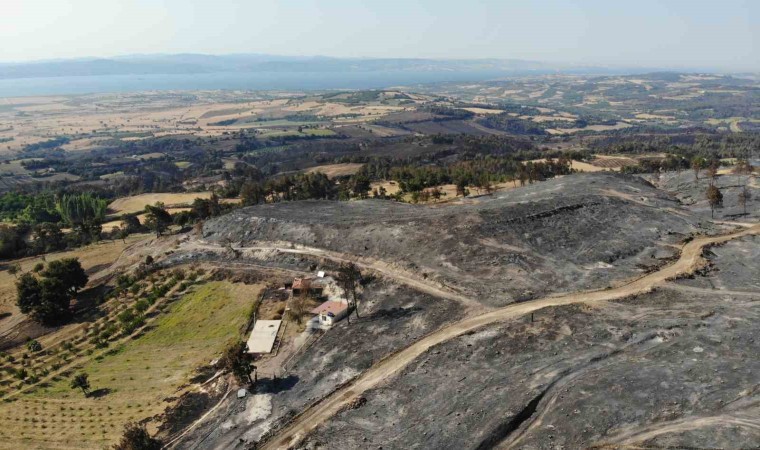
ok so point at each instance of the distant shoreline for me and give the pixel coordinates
(255, 81)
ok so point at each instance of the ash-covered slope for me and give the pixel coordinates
(577, 232)
(691, 192)
(674, 368)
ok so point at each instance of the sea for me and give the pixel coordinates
(254, 81)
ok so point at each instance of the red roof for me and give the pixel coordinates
(301, 283)
(330, 307)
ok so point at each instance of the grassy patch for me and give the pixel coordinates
(136, 377)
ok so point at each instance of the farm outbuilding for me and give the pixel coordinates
(263, 336)
(313, 286)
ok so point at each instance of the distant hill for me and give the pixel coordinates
(198, 64)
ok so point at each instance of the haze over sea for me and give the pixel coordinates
(71, 85)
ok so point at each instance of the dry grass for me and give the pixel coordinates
(336, 170)
(448, 191)
(617, 126)
(136, 203)
(612, 162)
(582, 166)
(586, 167)
(391, 187)
(483, 111)
(94, 257)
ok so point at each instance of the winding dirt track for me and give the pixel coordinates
(677, 426)
(378, 266)
(309, 419)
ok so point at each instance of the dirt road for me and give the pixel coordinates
(292, 434)
(635, 436)
(378, 266)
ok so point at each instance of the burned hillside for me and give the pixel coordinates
(668, 369)
(576, 232)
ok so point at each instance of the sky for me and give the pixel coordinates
(719, 34)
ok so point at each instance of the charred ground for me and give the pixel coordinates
(579, 232)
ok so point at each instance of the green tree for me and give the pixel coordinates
(83, 212)
(47, 237)
(205, 208)
(47, 299)
(44, 300)
(157, 218)
(136, 437)
(252, 193)
(238, 361)
(69, 272)
(131, 223)
(29, 293)
(12, 242)
(461, 187)
(81, 381)
(360, 185)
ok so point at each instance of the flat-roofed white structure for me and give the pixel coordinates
(263, 336)
(330, 312)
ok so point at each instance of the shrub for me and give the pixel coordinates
(142, 305)
(124, 281)
(33, 346)
(21, 373)
(178, 274)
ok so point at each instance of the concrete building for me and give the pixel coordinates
(263, 335)
(330, 312)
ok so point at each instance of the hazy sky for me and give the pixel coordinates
(666, 33)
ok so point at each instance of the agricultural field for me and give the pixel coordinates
(136, 203)
(336, 170)
(128, 382)
(607, 103)
(95, 120)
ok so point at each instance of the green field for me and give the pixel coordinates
(134, 378)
